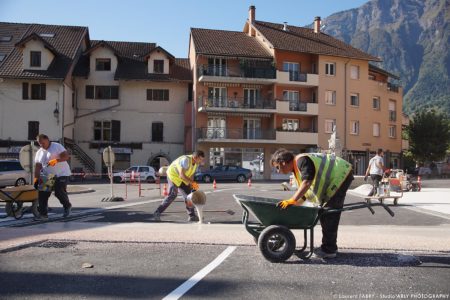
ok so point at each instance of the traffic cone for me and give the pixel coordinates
(249, 182)
(214, 184)
(165, 192)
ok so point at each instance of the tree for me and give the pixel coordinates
(429, 136)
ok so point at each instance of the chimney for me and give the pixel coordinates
(285, 26)
(317, 25)
(251, 20)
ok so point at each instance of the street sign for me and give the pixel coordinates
(108, 157)
(26, 157)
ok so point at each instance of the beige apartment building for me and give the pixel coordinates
(277, 85)
(90, 94)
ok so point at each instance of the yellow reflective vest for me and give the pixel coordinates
(331, 172)
(172, 171)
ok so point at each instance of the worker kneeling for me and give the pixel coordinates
(322, 179)
(180, 175)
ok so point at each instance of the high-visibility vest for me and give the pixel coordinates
(172, 171)
(331, 172)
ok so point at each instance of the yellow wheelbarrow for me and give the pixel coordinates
(15, 197)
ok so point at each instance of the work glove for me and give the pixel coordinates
(365, 178)
(36, 183)
(52, 162)
(195, 186)
(285, 203)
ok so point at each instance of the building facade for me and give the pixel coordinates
(276, 85)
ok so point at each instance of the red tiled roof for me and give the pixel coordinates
(65, 43)
(300, 39)
(227, 43)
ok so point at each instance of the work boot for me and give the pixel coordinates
(67, 211)
(319, 253)
(156, 216)
(42, 218)
(193, 218)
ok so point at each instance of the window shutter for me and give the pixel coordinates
(25, 90)
(43, 91)
(89, 92)
(115, 131)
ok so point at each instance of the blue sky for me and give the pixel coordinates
(166, 23)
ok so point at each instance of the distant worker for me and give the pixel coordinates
(180, 175)
(375, 170)
(322, 179)
(51, 158)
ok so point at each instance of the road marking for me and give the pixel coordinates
(186, 286)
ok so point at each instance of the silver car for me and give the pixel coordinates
(12, 173)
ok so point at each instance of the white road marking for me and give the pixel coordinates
(187, 285)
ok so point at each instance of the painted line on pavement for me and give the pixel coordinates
(187, 285)
(426, 211)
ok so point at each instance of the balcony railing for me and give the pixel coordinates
(298, 106)
(310, 130)
(392, 87)
(218, 133)
(297, 76)
(236, 102)
(244, 72)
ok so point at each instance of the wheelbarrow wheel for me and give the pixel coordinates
(14, 209)
(276, 243)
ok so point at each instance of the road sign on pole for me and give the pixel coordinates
(109, 159)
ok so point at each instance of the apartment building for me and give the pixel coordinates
(91, 94)
(277, 85)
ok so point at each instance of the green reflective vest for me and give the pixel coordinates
(331, 172)
(172, 171)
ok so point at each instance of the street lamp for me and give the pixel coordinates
(56, 113)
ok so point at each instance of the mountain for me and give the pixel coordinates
(412, 37)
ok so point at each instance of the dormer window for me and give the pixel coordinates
(103, 64)
(158, 66)
(35, 58)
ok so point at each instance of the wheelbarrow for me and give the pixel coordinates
(15, 197)
(272, 233)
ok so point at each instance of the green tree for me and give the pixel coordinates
(429, 136)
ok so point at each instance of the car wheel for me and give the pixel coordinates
(117, 179)
(241, 178)
(207, 179)
(150, 179)
(20, 181)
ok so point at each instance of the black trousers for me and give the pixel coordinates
(330, 222)
(60, 189)
(375, 183)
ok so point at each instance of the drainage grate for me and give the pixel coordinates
(56, 244)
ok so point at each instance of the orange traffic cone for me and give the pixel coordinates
(249, 182)
(214, 184)
(165, 192)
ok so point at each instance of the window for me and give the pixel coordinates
(158, 66)
(392, 111)
(157, 95)
(329, 125)
(103, 64)
(293, 69)
(290, 125)
(102, 92)
(354, 99)
(354, 127)
(33, 130)
(354, 72)
(5, 38)
(293, 97)
(38, 91)
(392, 131)
(2, 57)
(376, 129)
(35, 58)
(25, 90)
(330, 69)
(157, 131)
(376, 103)
(330, 97)
(107, 131)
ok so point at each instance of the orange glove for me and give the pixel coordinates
(195, 186)
(36, 183)
(52, 162)
(285, 203)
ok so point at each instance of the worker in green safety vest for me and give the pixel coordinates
(180, 175)
(322, 179)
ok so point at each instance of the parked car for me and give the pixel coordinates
(146, 173)
(224, 173)
(12, 173)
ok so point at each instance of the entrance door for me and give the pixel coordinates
(251, 97)
(216, 128)
(217, 96)
(252, 129)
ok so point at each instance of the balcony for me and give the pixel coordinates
(392, 87)
(297, 78)
(297, 108)
(235, 135)
(235, 104)
(214, 73)
(304, 137)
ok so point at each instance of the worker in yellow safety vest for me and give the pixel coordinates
(322, 179)
(180, 175)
